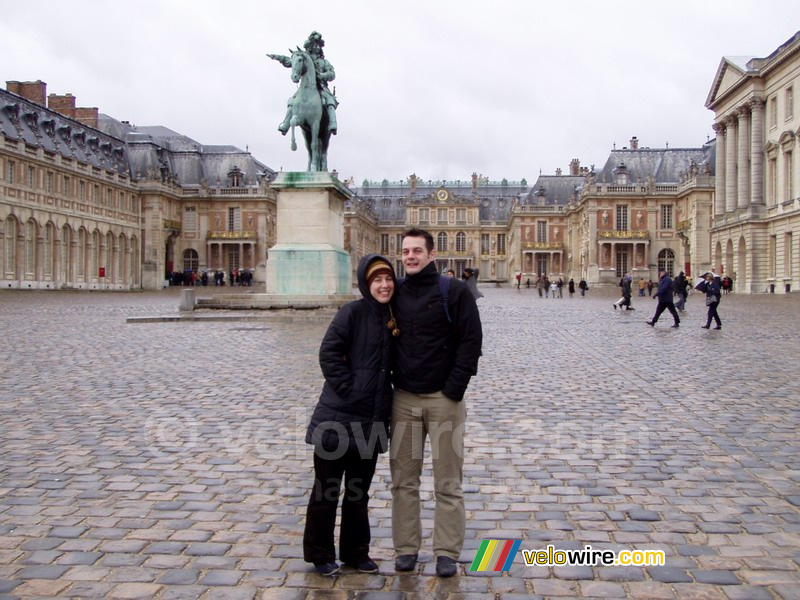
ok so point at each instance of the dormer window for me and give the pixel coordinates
(621, 176)
(235, 178)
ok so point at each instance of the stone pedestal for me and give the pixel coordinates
(309, 258)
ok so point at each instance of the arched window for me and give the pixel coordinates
(190, 260)
(66, 240)
(666, 261)
(108, 263)
(11, 246)
(80, 259)
(30, 248)
(94, 269)
(47, 258)
(441, 242)
(461, 242)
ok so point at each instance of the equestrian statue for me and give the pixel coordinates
(312, 108)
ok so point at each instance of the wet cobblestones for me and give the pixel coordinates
(166, 460)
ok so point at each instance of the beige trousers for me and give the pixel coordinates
(415, 417)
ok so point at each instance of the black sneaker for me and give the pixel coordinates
(367, 566)
(327, 569)
(445, 566)
(650, 323)
(405, 562)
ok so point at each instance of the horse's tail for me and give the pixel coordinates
(292, 123)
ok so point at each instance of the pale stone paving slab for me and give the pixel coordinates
(166, 460)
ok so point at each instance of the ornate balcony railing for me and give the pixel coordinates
(615, 234)
(232, 235)
(542, 246)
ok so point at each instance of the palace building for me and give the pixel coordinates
(91, 202)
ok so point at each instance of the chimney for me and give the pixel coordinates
(558, 172)
(574, 167)
(634, 143)
(30, 90)
(63, 104)
(87, 116)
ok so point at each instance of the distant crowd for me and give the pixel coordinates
(237, 277)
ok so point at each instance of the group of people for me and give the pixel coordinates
(710, 285)
(396, 364)
(240, 277)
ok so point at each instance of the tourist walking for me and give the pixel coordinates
(711, 287)
(664, 297)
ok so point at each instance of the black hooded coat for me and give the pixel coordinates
(355, 405)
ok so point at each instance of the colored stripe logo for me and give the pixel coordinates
(495, 555)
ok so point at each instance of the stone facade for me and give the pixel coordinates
(89, 202)
(755, 237)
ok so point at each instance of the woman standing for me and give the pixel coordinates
(349, 427)
(712, 288)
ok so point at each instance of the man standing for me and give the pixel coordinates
(437, 353)
(664, 297)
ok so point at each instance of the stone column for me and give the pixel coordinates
(730, 164)
(719, 194)
(757, 151)
(743, 158)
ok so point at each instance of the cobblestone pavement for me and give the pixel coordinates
(166, 460)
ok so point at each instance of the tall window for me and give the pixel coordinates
(501, 243)
(424, 215)
(384, 244)
(789, 108)
(80, 262)
(666, 261)
(398, 243)
(10, 245)
(772, 181)
(441, 215)
(773, 111)
(788, 178)
(95, 194)
(67, 191)
(461, 242)
(461, 216)
(486, 244)
(82, 190)
(31, 177)
(441, 242)
(190, 260)
(234, 219)
(48, 251)
(95, 254)
(10, 166)
(622, 217)
(48, 182)
(666, 216)
(541, 231)
(190, 219)
(30, 247)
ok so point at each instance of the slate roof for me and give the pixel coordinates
(38, 126)
(664, 165)
(188, 162)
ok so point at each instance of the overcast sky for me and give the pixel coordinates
(442, 89)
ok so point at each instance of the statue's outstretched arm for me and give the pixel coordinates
(284, 60)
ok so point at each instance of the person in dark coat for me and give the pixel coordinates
(712, 288)
(679, 287)
(350, 423)
(437, 355)
(664, 297)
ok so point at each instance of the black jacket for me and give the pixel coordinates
(433, 354)
(355, 358)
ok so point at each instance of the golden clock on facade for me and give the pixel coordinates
(442, 195)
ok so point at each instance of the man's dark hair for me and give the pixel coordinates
(415, 232)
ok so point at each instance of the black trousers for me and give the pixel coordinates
(712, 314)
(354, 533)
(670, 306)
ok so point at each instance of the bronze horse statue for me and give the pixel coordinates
(308, 111)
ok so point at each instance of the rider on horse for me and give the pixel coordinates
(325, 73)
